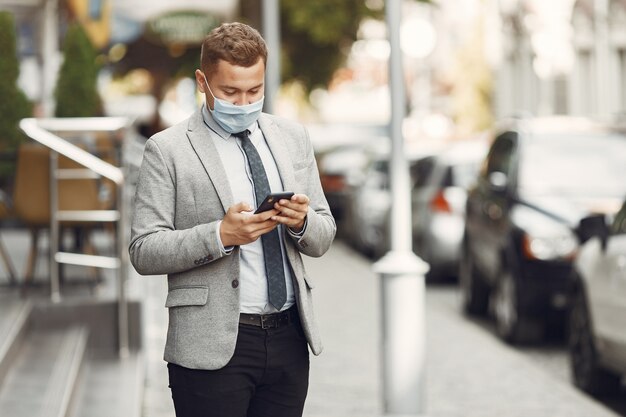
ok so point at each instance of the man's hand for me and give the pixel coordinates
(240, 226)
(292, 212)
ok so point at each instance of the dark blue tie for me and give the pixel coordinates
(276, 287)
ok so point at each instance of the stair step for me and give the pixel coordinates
(107, 262)
(104, 216)
(43, 376)
(14, 318)
(111, 387)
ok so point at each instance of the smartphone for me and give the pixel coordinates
(271, 199)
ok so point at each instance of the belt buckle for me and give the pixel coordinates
(266, 321)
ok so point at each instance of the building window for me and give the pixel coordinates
(585, 83)
(95, 9)
(622, 79)
(560, 95)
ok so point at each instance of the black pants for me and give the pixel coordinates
(268, 376)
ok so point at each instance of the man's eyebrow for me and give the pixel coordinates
(230, 87)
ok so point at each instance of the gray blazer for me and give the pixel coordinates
(181, 195)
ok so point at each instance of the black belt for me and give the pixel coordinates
(270, 321)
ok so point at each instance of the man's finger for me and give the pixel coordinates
(266, 215)
(300, 198)
(239, 207)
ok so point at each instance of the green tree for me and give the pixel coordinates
(316, 35)
(14, 105)
(76, 91)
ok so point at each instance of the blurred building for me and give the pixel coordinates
(561, 57)
(149, 34)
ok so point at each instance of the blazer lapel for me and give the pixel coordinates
(276, 142)
(207, 152)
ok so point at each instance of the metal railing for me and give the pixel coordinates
(41, 131)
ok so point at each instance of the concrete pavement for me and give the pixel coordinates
(469, 372)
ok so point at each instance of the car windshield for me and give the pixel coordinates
(464, 175)
(575, 165)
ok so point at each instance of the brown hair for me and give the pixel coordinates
(235, 43)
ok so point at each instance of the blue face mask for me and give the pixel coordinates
(232, 118)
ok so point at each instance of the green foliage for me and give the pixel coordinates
(473, 85)
(315, 36)
(76, 91)
(14, 105)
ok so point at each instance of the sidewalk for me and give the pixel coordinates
(468, 373)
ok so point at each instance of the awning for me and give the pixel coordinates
(143, 10)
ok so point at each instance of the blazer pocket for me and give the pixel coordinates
(298, 165)
(187, 296)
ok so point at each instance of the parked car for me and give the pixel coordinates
(339, 167)
(439, 197)
(369, 200)
(540, 178)
(597, 315)
(342, 153)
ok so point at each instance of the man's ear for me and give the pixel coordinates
(200, 83)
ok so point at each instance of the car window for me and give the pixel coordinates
(501, 154)
(619, 223)
(448, 178)
(421, 170)
(462, 175)
(574, 165)
(378, 175)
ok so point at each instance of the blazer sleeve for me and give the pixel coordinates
(156, 247)
(320, 225)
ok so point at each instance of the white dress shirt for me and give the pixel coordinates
(253, 278)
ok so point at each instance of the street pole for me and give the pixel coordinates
(401, 271)
(602, 57)
(271, 33)
(50, 50)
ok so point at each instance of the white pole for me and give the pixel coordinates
(271, 33)
(602, 56)
(402, 273)
(401, 240)
(49, 48)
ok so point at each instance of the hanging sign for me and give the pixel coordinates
(180, 28)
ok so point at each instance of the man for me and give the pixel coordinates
(240, 308)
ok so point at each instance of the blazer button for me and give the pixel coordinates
(235, 283)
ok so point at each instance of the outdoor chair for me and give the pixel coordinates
(6, 209)
(31, 199)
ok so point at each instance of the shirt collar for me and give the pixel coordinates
(212, 124)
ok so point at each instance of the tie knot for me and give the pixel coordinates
(243, 134)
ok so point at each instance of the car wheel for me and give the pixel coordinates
(586, 371)
(511, 324)
(474, 292)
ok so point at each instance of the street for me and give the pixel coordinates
(551, 356)
(469, 371)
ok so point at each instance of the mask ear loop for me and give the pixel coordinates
(207, 86)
